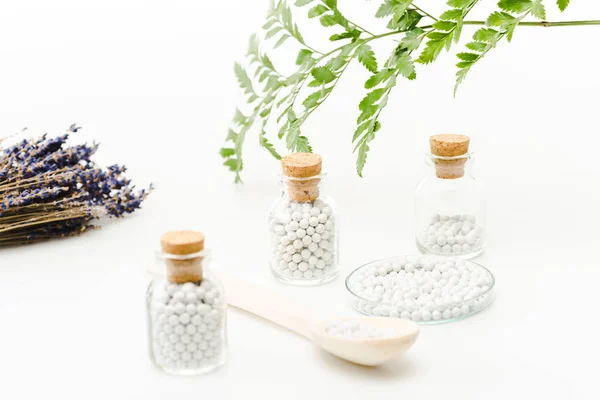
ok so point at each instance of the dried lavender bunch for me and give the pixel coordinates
(49, 189)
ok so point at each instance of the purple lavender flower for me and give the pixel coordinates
(50, 190)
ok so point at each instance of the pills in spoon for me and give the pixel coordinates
(358, 330)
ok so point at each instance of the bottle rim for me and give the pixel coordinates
(161, 255)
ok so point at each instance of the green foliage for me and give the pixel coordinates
(501, 24)
(562, 4)
(446, 30)
(366, 56)
(279, 104)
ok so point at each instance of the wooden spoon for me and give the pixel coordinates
(282, 311)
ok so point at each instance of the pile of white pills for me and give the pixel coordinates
(304, 245)
(356, 330)
(187, 325)
(457, 235)
(421, 288)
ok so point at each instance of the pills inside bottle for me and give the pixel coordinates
(449, 201)
(303, 225)
(186, 310)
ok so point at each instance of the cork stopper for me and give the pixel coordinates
(304, 170)
(449, 145)
(181, 244)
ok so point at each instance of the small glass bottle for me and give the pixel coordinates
(449, 201)
(303, 224)
(186, 309)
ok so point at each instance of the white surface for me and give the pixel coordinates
(152, 81)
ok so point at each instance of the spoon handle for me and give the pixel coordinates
(267, 304)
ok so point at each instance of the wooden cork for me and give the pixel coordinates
(183, 243)
(304, 170)
(449, 145)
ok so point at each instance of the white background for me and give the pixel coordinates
(152, 81)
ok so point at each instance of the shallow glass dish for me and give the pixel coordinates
(425, 289)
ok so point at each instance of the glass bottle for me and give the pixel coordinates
(303, 224)
(186, 309)
(449, 201)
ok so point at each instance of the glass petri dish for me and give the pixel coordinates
(424, 289)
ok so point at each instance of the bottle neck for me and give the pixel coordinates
(450, 167)
(301, 189)
(185, 268)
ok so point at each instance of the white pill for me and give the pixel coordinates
(304, 223)
(328, 225)
(184, 319)
(178, 297)
(457, 248)
(297, 258)
(446, 249)
(292, 266)
(307, 240)
(327, 211)
(292, 236)
(303, 266)
(190, 298)
(292, 226)
(466, 228)
(471, 237)
(313, 221)
(313, 247)
(316, 237)
(322, 218)
(441, 240)
(179, 329)
(287, 257)
(320, 228)
(308, 274)
(312, 260)
(296, 216)
(300, 233)
(298, 244)
(415, 315)
(321, 264)
(466, 247)
(179, 347)
(425, 315)
(279, 230)
(305, 254)
(314, 212)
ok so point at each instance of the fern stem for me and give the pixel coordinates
(424, 12)
(361, 28)
(545, 24)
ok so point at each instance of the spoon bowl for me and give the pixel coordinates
(367, 351)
